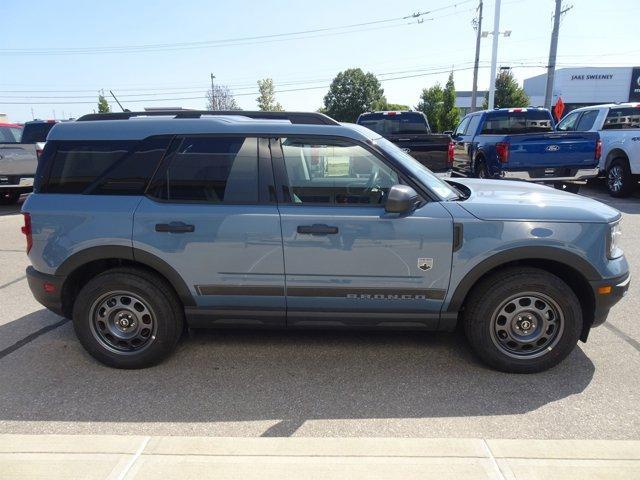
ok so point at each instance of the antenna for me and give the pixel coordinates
(119, 104)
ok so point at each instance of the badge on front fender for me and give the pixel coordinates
(425, 264)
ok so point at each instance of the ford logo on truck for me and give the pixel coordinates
(552, 148)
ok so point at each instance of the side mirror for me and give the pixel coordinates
(448, 132)
(401, 199)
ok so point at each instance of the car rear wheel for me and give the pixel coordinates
(523, 320)
(620, 181)
(481, 169)
(8, 197)
(128, 318)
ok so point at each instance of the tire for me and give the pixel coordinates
(480, 170)
(567, 187)
(153, 312)
(620, 181)
(553, 314)
(9, 197)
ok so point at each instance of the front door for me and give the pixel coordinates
(348, 262)
(209, 216)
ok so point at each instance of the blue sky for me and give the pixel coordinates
(593, 33)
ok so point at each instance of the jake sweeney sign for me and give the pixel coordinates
(595, 76)
(634, 89)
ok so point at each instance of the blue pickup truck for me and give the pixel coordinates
(522, 144)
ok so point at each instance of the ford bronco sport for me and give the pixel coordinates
(141, 225)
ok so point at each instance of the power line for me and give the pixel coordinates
(253, 40)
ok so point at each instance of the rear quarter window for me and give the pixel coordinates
(101, 167)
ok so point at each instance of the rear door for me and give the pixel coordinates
(208, 213)
(348, 262)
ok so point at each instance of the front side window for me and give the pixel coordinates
(622, 118)
(211, 170)
(334, 172)
(462, 127)
(10, 134)
(568, 123)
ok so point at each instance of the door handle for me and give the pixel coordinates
(174, 227)
(317, 229)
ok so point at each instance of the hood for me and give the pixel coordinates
(515, 200)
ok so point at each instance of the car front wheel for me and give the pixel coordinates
(523, 320)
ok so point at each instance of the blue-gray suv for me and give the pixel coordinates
(141, 225)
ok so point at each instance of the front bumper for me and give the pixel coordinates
(616, 288)
(538, 175)
(46, 289)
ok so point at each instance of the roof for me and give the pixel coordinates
(14, 125)
(140, 126)
(608, 105)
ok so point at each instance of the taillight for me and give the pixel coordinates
(502, 149)
(26, 229)
(598, 149)
(450, 154)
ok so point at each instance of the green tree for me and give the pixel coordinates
(351, 93)
(449, 115)
(508, 93)
(103, 105)
(396, 107)
(267, 99)
(431, 104)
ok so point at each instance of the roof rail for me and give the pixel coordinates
(306, 118)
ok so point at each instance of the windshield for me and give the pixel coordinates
(422, 173)
(395, 123)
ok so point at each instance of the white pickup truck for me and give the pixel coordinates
(619, 127)
(20, 147)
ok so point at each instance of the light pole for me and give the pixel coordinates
(212, 77)
(494, 53)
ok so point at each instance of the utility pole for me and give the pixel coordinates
(551, 67)
(474, 92)
(494, 55)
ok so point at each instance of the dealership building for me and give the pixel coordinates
(582, 86)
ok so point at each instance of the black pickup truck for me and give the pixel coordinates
(410, 131)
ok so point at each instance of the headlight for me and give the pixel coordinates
(613, 241)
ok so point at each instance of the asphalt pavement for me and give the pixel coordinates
(314, 384)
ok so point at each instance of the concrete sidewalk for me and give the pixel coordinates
(131, 457)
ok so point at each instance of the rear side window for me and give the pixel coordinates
(36, 132)
(211, 170)
(395, 123)
(622, 119)
(587, 120)
(102, 167)
(504, 123)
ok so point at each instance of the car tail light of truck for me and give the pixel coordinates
(450, 154)
(598, 149)
(26, 229)
(502, 149)
(39, 149)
